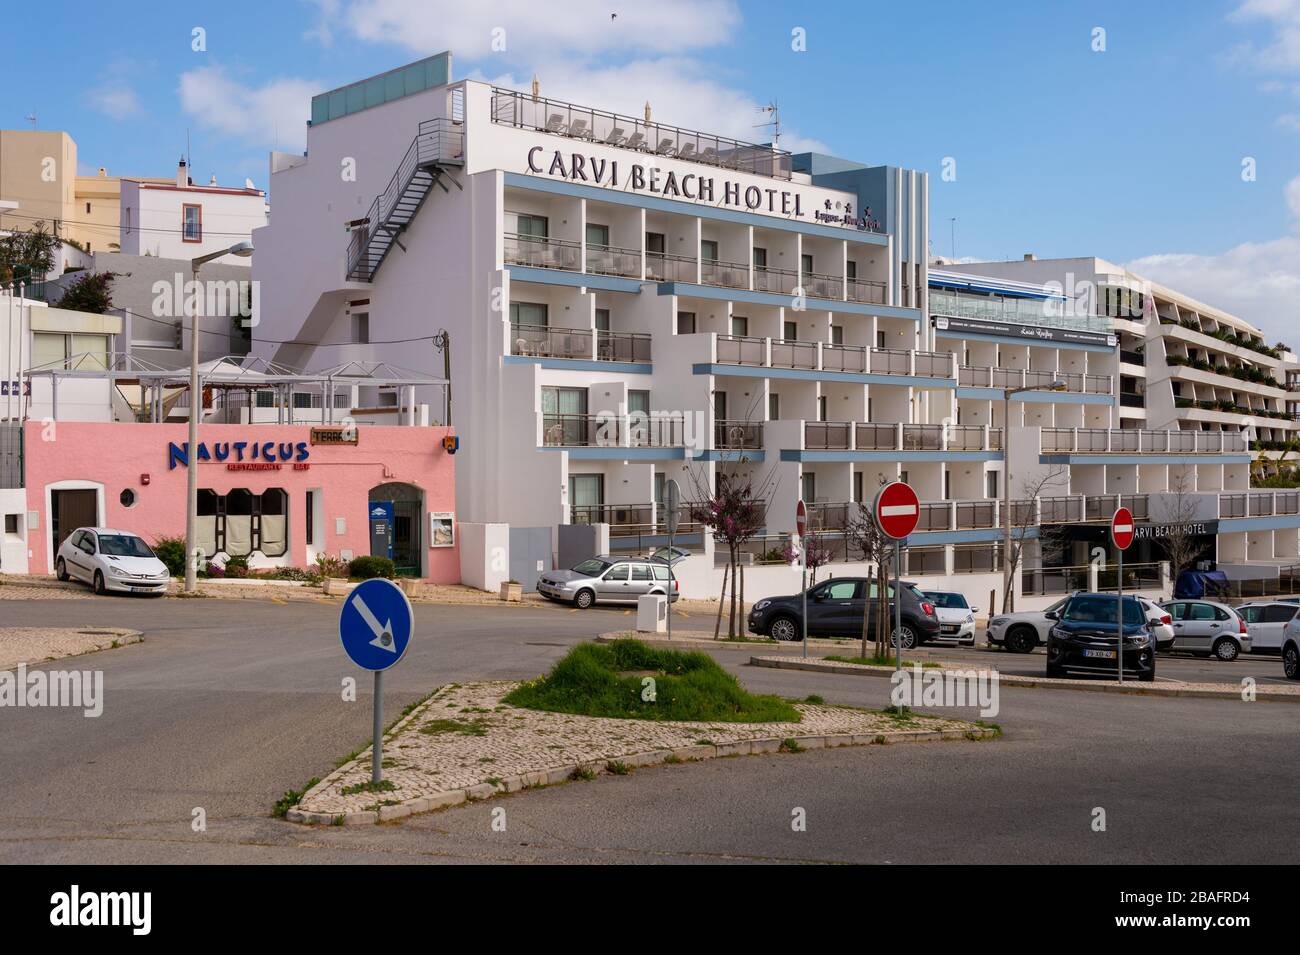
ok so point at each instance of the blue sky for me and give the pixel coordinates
(1133, 153)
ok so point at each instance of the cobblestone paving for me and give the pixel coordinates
(466, 739)
(39, 644)
(20, 592)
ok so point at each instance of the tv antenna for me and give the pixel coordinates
(31, 118)
(774, 110)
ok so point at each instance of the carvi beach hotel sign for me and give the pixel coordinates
(680, 184)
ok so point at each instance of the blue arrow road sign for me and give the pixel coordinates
(376, 623)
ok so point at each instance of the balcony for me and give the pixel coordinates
(663, 267)
(543, 341)
(1259, 504)
(972, 376)
(778, 281)
(524, 111)
(542, 252)
(1132, 399)
(1134, 441)
(862, 436)
(612, 260)
(1014, 310)
(609, 431)
(814, 356)
(627, 520)
(737, 435)
(724, 274)
(622, 346)
(865, 293)
(987, 513)
(816, 285)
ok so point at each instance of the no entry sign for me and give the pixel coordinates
(801, 517)
(1121, 528)
(897, 510)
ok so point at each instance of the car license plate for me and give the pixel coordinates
(1103, 654)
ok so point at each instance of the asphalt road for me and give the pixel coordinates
(228, 703)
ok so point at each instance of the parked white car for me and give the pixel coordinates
(1266, 620)
(1162, 624)
(1206, 628)
(956, 617)
(1291, 652)
(108, 559)
(1024, 630)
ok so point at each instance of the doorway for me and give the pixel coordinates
(402, 507)
(70, 510)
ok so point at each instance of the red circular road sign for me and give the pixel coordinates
(1121, 528)
(801, 517)
(897, 510)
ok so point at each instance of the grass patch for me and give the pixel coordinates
(672, 759)
(881, 662)
(616, 768)
(582, 773)
(291, 798)
(383, 786)
(465, 727)
(791, 745)
(606, 680)
(814, 699)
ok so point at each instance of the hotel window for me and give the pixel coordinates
(852, 272)
(821, 408)
(528, 313)
(87, 208)
(602, 319)
(880, 339)
(685, 323)
(709, 250)
(947, 486)
(773, 407)
(265, 399)
(240, 522)
(837, 334)
(360, 328)
(536, 227)
(638, 401)
(301, 399)
(739, 326)
(127, 220)
(991, 484)
(760, 258)
(311, 518)
(11, 524)
(857, 486)
(191, 223)
(654, 243)
(77, 352)
(806, 263)
(810, 488)
(597, 235)
(790, 331)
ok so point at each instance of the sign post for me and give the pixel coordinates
(1121, 535)
(375, 625)
(801, 525)
(897, 512)
(673, 493)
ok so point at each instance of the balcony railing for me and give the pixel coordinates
(1259, 504)
(865, 293)
(780, 281)
(1134, 441)
(622, 346)
(656, 431)
(580, 430)
(972, 376)
(742, 350)
(525, 111)
(856, 359)
(611, 260)
(627, 520)
(724, 274)
(663, 267)
(792, 354)
(1132, 399)
(816, 285)
(737, 435)
(865, 436)
(543, 341)
(542, 252)
(850, 358)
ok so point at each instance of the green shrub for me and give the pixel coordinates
(237, 567)
(364, 568)
(171, 551)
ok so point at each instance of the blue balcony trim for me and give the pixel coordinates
(777, 299)
(582, 364)
(1050, 397)
(1234, 525)
(804, 374)
(646, 201)
(608, 283)
(830, 457)
(1206, 458)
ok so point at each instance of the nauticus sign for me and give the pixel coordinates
(695, 187)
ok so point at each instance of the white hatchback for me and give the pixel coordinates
(111, 560)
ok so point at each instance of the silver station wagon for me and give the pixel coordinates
(607, 579)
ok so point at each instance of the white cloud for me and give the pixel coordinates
(115, 100)
(1257, 281)
(1281, 51)
(1289, 122)
(532, 29)
(273, 115)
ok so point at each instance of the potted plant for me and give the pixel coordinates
(512, 590)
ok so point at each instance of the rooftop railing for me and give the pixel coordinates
(583, 123)
(1134, 441)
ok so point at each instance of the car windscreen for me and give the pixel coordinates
(1101, 609)
(123, 545)
(947, 600)
(592, 567)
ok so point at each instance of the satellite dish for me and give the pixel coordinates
(248, 184)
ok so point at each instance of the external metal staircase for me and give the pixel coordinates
(439, 144)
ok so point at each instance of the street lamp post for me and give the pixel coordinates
(243, 250)
(1057, 385)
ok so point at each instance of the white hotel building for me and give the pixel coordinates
(628, 302)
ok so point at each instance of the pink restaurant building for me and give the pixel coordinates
(279, 495)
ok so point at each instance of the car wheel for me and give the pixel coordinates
(1021, 640)
(905, 638)
(584, 599)
(1226, 649)
(99, 583)
(1291, 661)
(61, 570)
(785, 628)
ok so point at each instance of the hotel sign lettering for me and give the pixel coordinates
(1161, 531)
(694, 187)
(242, 455)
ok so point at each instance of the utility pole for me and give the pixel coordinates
(442, 341)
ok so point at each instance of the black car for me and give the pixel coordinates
(1083, 638)
(835, 609)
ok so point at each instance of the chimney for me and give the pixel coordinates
(537, 87)
(1030, 257)
(647, 111)
(102, 172)
(182, 174)
(212, 181)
